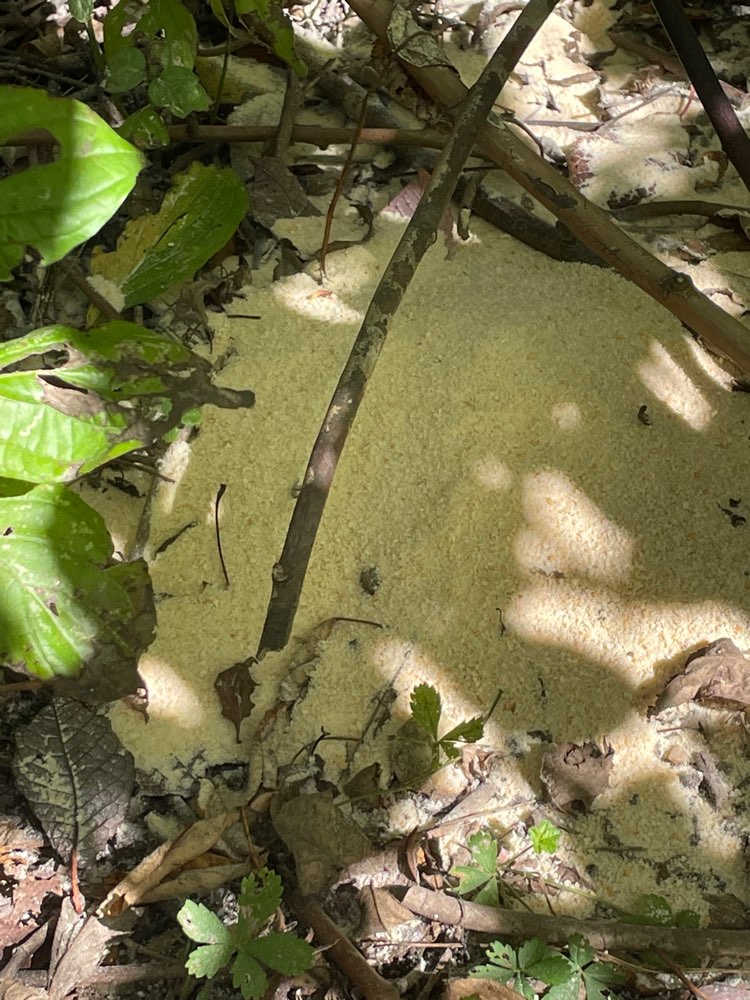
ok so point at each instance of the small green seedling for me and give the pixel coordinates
(245, 947)
(480, 876)
(536, 961)
(426, 709)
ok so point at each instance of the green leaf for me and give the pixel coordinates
(598, 977)
(568, 990)
(145, 129)
(545, 837)
(282, 953)
(503, 963)
(202, 925)
(62, 603)
(489, 894)
(261, 894)
(125, 70)
(687, 918)
(81, 10)
(248, 976)
(196, 219)
(58, 423)
(426, 708)
(651, 910)
(579, 949)
(206, 961)
(483, 849)
(172, 29)
(178, 90)
(471, 879)
(55, 206)
(554, 969)
(468, 731)
(274, 20)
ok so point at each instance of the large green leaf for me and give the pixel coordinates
(55, 206)
(107, 391)
(196, 219)
(62, 602)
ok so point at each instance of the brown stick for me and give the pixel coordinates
(603, 935)
(590, 224)
(339, 948)
(289, 572)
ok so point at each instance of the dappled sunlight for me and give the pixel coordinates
(492, 473)
(626, 636)
(670, 384)
(304, 296)
(567, 534)
(566, 416)
(171, 699)
(718, 375)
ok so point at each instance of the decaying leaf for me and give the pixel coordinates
(235, 687)
(575, 775)
(481, 989)
(276, 193)
(20, 918)
(168, 857)
(80, 945)
(76, 776)
(717, 674)
(110, 391)
(321, 838)
(380, 912)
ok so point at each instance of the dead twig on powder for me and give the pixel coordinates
(603, 935)
(716, 104)
(676, 292)
(341, 951)
(289, 572)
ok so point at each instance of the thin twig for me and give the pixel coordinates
(716, 104)
(342, 180)
(79, 280)
(289, 572)
(219, 494)
(676, 292)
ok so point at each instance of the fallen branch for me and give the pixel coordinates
(675, 291)
(289, 572)
(603, 935)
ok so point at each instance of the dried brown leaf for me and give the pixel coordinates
(574, 775)
(717, 674)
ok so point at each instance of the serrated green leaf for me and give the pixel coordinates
(489, 894)
(483, 849)
(503, 963)
(178, 90)
(567, 990)
(196, 219)
(598, 977)
(261, 894)
(125, 70)
(553, 970)
(62, 603)
(204, 962)
(278, 26)
(579, 949)
(248, 976)
(426, 708)
(202, 925)
(545, 837)
(55, 206)
(471, 878)
(533, 951)
(282, 953)
(81, 10)
(468, 731)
